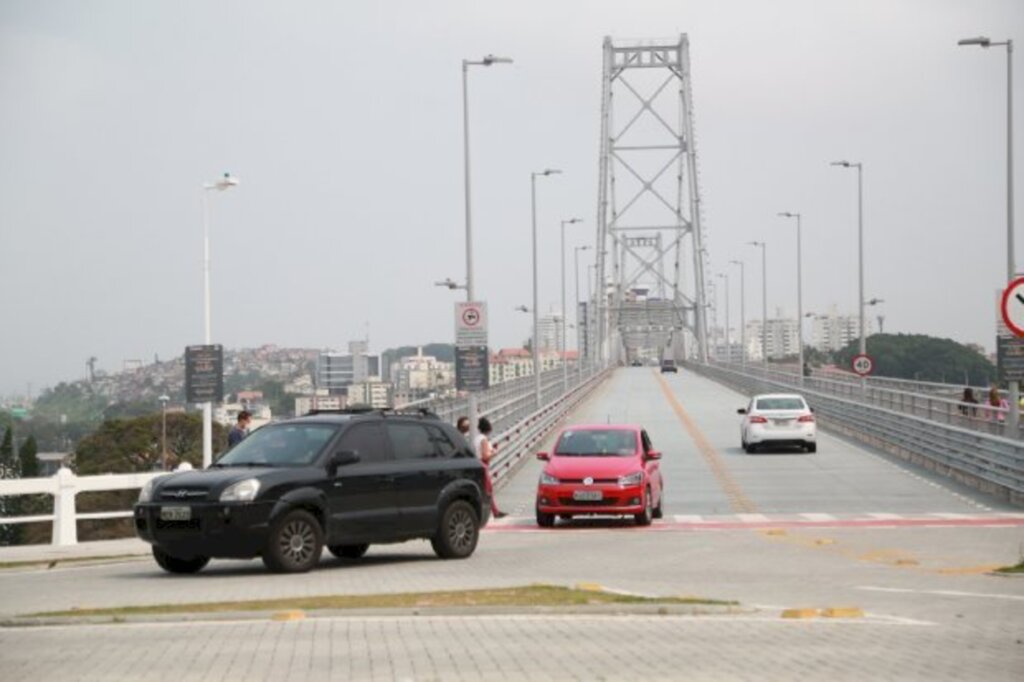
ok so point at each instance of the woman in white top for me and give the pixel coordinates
(485, 451)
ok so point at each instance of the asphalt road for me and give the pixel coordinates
(773, 531)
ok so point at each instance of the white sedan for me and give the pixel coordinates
(778, 419)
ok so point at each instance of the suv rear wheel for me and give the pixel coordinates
(173, 564)
(348, 551)
(458, 532)
(295, 543)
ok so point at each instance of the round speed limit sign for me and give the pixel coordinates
(862, 364)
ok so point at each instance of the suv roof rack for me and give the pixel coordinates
(384, 412)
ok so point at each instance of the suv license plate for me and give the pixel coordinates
(587, 495)
(175, 513)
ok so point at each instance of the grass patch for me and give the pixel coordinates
(53, 563)
(1018, 568)
(531, 595)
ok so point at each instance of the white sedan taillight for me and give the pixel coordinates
(806, 418)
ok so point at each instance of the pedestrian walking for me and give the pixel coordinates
(240, 430)
(485, 451)
(997, 405)
(462, 425)
(968, 403)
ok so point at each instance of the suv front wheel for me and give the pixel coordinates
(457, 535)
(173, 564)
(295, 543)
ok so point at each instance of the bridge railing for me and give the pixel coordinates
(934, 406)
(985, 461)
(518, 424)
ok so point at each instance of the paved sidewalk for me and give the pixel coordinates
(83, 550)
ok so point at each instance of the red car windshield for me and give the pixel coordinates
(596, 443)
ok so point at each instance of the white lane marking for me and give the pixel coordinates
(940, 515)
(885, 517)
(943, 593)
(689, 518)
(752, 518)
(818, 517)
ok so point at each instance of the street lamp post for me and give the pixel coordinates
(1013, 415)
(860, 257)
(565, 364)
(470, 291)
(163, 430)
(799, 295)
(536, 316)
(764, 301)
(728, 346)
(579, 354)
(227, 181)
(743, 312)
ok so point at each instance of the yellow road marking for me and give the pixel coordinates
(738, 500)
(800, 613)
(289, 615)
(843, 612)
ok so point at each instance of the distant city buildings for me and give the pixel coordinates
(549, 332)
(832, 331)
(335, 372)
(782, 338)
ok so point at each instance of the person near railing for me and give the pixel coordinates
(968, 404)
(485, 451)
(997, 405)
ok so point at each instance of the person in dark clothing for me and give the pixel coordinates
(968, 402)
(240, 430)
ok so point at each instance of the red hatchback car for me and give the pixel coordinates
(603, 469)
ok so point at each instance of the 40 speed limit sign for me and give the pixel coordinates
(862, 364)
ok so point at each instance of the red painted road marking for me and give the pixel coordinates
(995, 521)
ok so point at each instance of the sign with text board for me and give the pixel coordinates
(472, 370)
(471, 323)
(1010, 358)
(204, 374)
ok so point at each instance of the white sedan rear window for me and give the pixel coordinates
(780, 404)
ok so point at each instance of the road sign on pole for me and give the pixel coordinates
(204, 373)
(862, 364)
(470, 324)
(1012, 306)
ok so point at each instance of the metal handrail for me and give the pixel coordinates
(985, 460)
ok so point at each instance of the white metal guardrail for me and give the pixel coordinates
(511, 406)
(985, 461)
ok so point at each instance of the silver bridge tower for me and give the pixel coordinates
(649, 301)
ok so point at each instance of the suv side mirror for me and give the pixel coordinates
(653, 454)
(742, 410)
(543, 456)
(340, 459)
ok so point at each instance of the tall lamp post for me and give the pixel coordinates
(163, 430)
(227, 181)
(1013, 415)
(743, 312)
(536, 305)
(470, 291)
(728, 346)
(860, 257)
(799, 295)
(565, 364)
(764, 301)
(579, 353)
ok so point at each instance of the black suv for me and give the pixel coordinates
(669, 366)
(341, 479)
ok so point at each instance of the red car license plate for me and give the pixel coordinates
(587, 495)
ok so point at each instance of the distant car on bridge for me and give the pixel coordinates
(669, 366)
(603, 469)
(782, 419)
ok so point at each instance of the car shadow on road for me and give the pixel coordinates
(232, 568)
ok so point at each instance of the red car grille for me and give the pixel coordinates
(606, 502)
(596, 480)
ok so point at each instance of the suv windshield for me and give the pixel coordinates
(282, 445)
(780, 404)
(597, 443)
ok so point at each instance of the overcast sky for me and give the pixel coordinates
(343, 121)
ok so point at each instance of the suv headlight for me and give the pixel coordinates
(635, 478)
(547, 479)
(243, 491)
(146, 494)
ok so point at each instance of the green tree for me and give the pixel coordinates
(926, 358)
(128, 445)
(28, 465)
